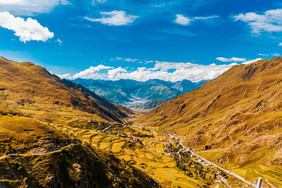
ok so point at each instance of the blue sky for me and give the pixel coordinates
(145, 39)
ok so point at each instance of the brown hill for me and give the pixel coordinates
(238, 115)
(26, 84)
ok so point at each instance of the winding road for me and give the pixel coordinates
(215, 165)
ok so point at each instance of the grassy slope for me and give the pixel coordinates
(28, 84)
(34, 152)
(239, 112)
(38, 155)
(152, 161)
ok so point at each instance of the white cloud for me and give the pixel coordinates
(270, 21)
(116, 18)
(65, 76)
(273, 54)
(280, 44)
(169, 71)
(98, 1)
(27, 30)
(182, 20)
(251, 61)
(205, 17)
(114, 73)
(92, 72)
(130, 59)
(28, 7)
(59, 41)
(232, 59)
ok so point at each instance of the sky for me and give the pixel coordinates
(140, 39)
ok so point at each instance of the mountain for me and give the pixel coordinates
(112, 93)
(132, 92)
(186, 86)
(235, 117)
(27, 84)
(34, 154)
(150, 92)
(40, 116)
(147, 106)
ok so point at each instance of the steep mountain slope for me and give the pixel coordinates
(238, 115)
(28, 84)
(34, 154)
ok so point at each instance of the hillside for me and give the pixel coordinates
(56, 133)
(34, 154)
(27, 85)
(236, 118)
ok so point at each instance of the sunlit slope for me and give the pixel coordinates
(28, 84)
(239, 112)
(33, 154)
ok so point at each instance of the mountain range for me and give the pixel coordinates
(133, 93)
(35, 153)
(234, 120)
(57, 133)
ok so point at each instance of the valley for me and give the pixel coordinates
(140, 94)
(136, 95)
(54, 132)
(147, 150)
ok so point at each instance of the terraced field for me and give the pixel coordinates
(144, 153)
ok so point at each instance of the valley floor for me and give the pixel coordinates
(147, 150)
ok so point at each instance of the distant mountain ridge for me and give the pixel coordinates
(147, 106)
(132, 92)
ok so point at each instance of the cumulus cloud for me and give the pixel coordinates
(232, 59)
(182, 20)
(270, 21)
(251, 61)
(28, 7)
(116, 18)
(114, 73)
(27, 30)
(169, 71)
(93, 72)
(65, 76)
(280, 44)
